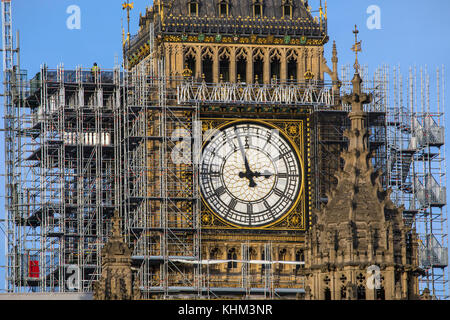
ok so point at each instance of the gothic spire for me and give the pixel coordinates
(357, 100)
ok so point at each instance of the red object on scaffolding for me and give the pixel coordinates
(33, 269)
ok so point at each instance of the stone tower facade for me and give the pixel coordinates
(359, 247)
(213, 47)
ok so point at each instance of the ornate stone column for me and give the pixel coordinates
(283, 70)
(250, 78)
(233, 65)
(199, 65)
(167, 55)
(266, 70)
(215, 50)
(301, 65)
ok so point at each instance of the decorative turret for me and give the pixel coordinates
(116, 282)
(359, 247)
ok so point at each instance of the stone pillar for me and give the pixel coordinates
(405, 285)
(283, 70)
(179, 61)
(199, 65)
(233, 65)
(314, 63)
(266, 70)
(250, 78)
(224, 251)
(389, 283)
(215, 64)
(301, 62)
(167, 55)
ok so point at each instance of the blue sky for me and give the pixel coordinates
(412, 32)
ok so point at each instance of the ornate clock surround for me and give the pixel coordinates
(297, 133)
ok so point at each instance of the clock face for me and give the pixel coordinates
(250, 174)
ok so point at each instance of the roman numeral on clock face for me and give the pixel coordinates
(279, 193)
(221, 191)
(233, 203)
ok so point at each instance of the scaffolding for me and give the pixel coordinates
(63, 193)
(416, 167)
(161, 197)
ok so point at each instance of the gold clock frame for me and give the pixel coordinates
(295, 132)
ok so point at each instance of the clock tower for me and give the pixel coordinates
(247, 76)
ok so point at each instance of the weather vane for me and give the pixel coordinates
(128, 6)
(356, 48)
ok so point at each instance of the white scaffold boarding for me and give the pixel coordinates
(298, 94)
(210, 262)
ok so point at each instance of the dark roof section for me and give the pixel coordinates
(238, 8)
(175, 20)
(240, 19)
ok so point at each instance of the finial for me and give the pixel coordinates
(308, 75)
(116, 224)
(335, 53)
(128, 6)
(321, 11)
(187, 73)
(356, 48)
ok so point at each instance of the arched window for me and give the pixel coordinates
(327, 294)
(258, 70)
(282, 257)
(214, 255)
(287, 9)
(299, 257)
(193, 8)
(258, 65)
(292, 58)
(241, 65)
(190, 61)
(292, 69)
(224, 8)
(231, 255)
(343, 293)
(275, 65)
(380, 294)
(361, 292)
(266, 256)
(258, 8)
(224, 64)
(207, 65)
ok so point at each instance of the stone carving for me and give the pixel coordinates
(116, 282)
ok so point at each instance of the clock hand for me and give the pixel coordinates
(248, 172)
(241, 148)
(267, 174)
